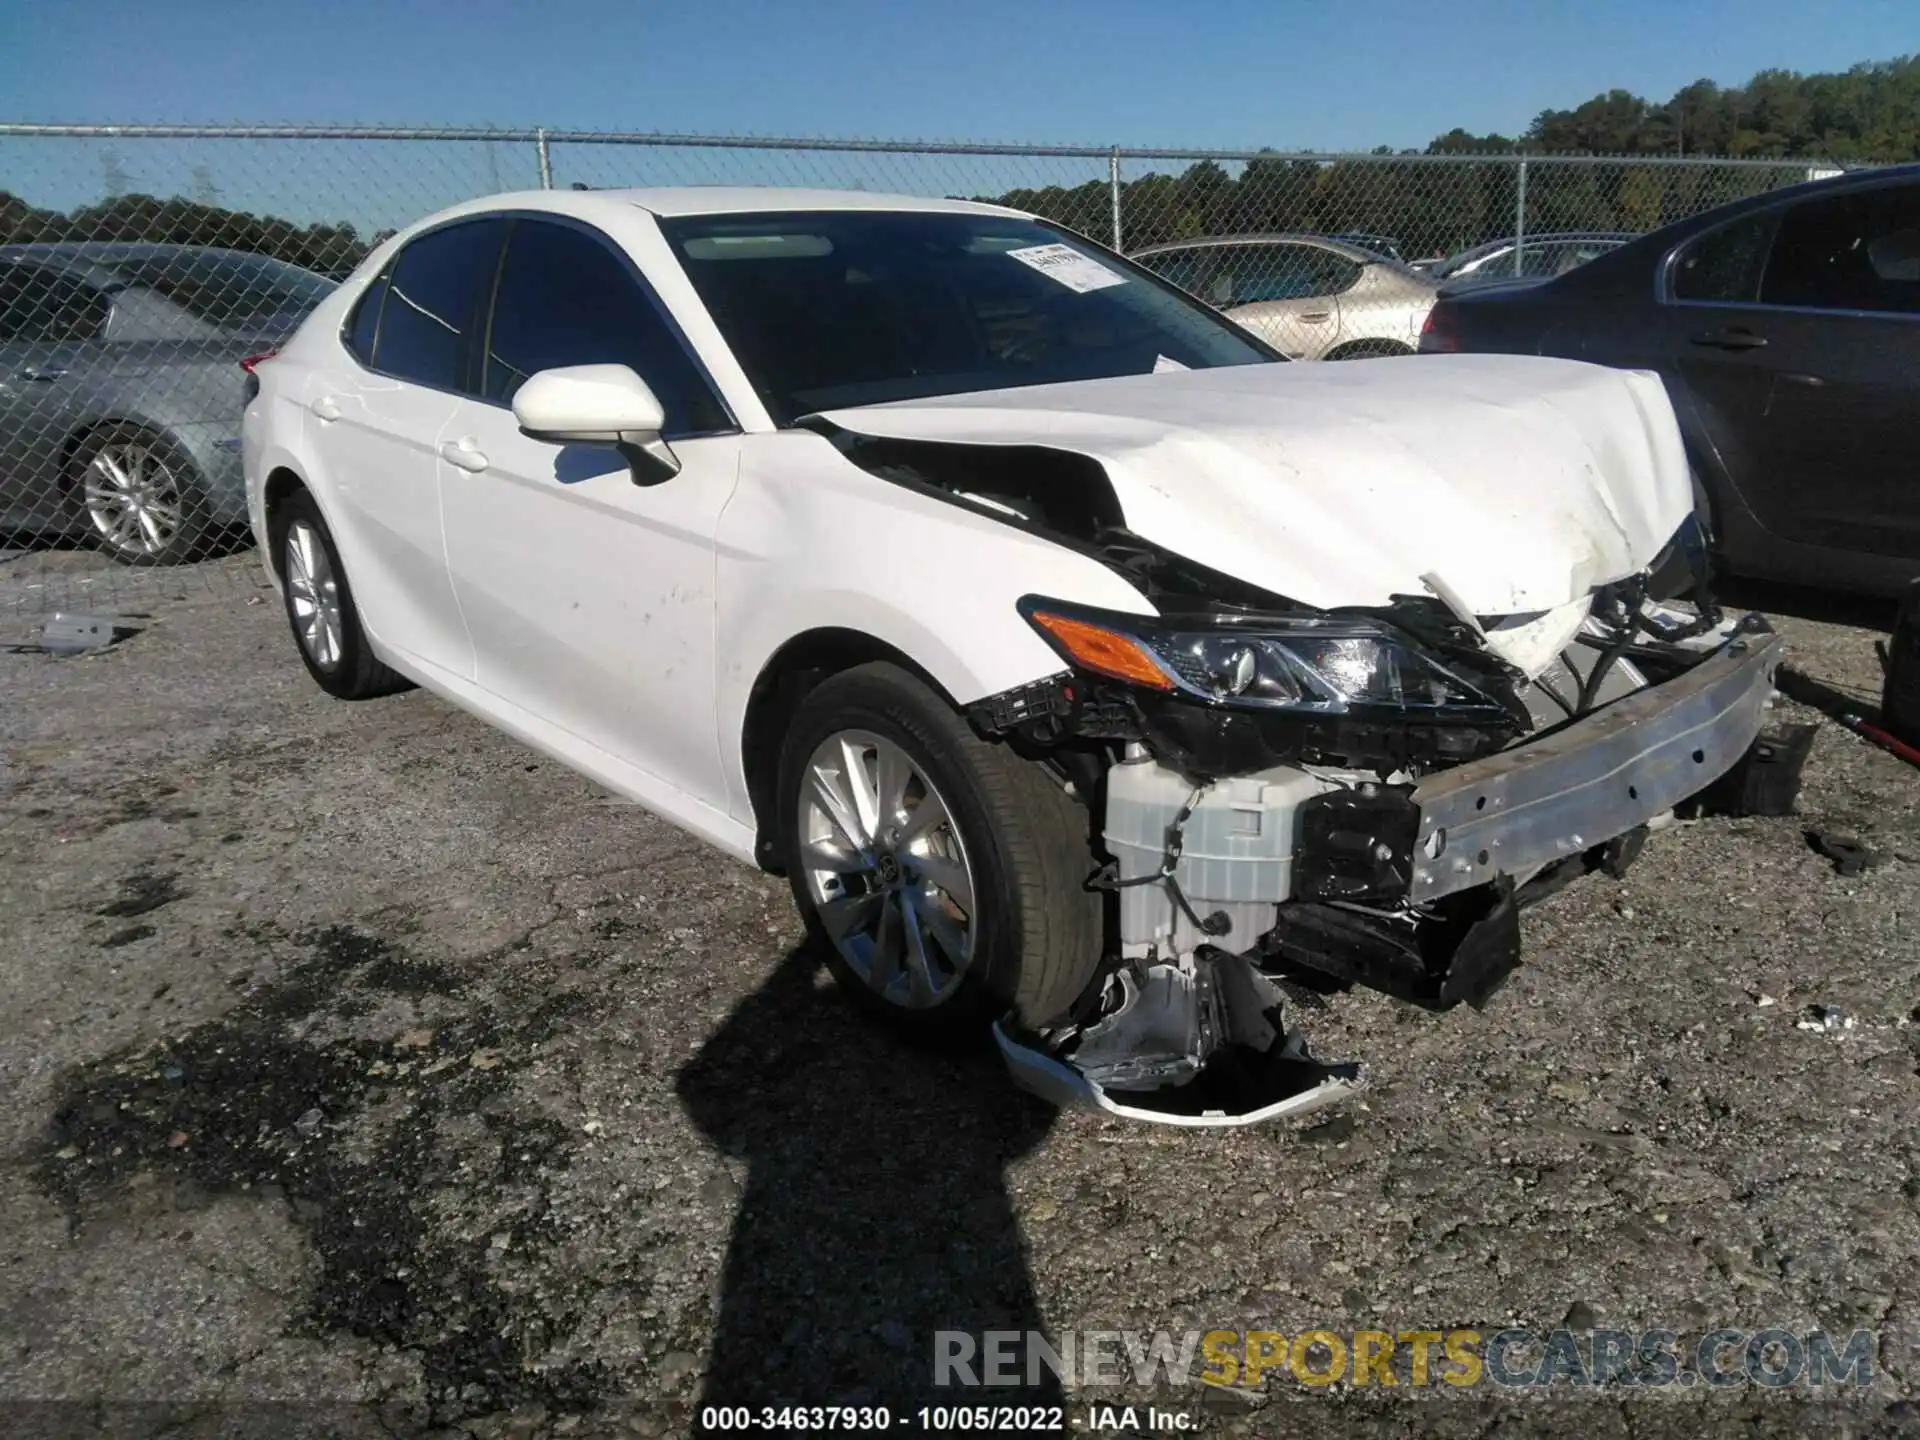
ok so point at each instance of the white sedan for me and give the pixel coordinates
(1082, 665)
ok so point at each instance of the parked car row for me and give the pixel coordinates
(1349, 297)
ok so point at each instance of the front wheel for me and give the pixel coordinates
(945, 875)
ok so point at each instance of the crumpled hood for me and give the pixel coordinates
(1503, 484)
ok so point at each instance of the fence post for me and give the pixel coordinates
(1113, 192)
(1520, 221)
(546, 160)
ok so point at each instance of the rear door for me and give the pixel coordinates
(1286, 292)
(50, 336)
(376, 420)
(590, 597)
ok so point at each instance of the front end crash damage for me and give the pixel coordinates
(1405, 669)
(1348, 850)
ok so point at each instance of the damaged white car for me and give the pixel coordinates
(1083, 665)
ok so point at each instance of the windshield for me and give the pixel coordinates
(841, 308)
(226, 288)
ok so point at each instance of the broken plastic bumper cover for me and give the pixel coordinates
(1595, 778)
(1201, 1044)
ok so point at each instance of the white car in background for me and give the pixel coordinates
(1311, 297)
(1082, 665)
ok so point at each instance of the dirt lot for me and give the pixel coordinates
(362, 1073)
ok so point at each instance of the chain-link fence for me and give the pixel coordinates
(140, 268)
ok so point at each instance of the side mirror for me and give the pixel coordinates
(598, 405)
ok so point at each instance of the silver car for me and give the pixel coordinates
(1312, 297)
(121, 388)
(1530, 256)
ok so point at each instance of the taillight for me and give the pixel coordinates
(251, 364)
(1438, 335)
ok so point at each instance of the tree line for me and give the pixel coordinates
(330, 249)
(1868, 114)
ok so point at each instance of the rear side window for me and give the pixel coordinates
(1185, 268)
(436, 298)
(223, 287)
(44, 307)
(1254, 273)
(1724, 264)
(566, 298)
(365, 324)
(1849, 252)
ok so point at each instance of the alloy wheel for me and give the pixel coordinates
(314, 595)
(886, 868)
(133, 499)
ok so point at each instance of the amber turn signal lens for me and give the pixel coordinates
(1104, 651)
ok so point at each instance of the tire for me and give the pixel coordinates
(140, 498)
(1029, 930)
(320, 609)
(1369, 350)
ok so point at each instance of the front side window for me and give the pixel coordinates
(1858, 251)
(1724, 264)
(437, 293)
(856, 307)
(566, 298)
(45, 307)
(1284, 272)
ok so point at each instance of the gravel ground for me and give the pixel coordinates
(362, 1072)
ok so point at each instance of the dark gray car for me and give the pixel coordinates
(1787, 330)
(121, 388)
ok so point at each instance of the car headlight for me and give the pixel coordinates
(1312, 663)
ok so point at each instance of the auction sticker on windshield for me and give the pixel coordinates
(1068, 266)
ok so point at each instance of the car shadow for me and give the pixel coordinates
(875, 1211)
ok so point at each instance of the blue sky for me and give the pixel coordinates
(1293, 74)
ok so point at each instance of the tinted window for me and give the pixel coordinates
(366, 321)
(1724, 264)
(227, 288)
(1249, 274)
(45, 307)
(854, 307)
(1849, 252)
(566, 298)
(436, 295)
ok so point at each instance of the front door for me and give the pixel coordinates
(1841, 303)
(589, 596)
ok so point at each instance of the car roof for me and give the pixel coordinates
(1347, 248)
(673, 202)
(102, 260)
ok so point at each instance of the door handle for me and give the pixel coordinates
(46, 376)
(326, 407)
(462, 455)
(1730, 340)
(1796, 377)
(1316, 316)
